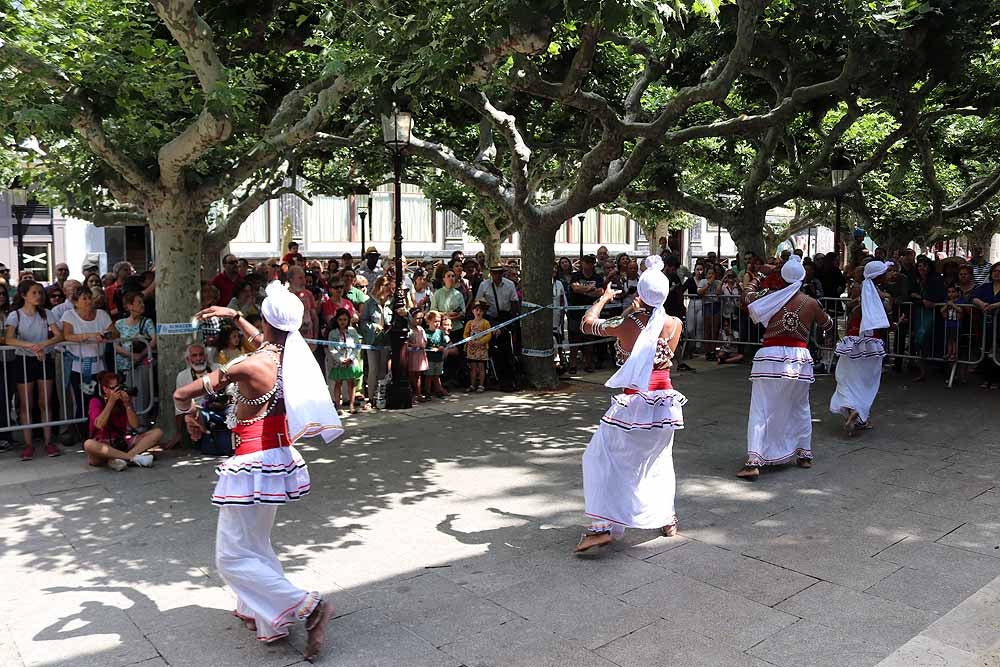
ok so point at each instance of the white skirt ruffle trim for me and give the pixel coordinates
(860, 347)
(647, 410)
(273, 476)
(783, 363)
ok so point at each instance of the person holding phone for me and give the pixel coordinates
(85, 328)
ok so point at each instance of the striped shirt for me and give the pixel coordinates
(980, 272)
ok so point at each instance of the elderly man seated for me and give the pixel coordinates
(197, 364)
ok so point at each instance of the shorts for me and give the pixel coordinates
(434, 368)
(29, 369)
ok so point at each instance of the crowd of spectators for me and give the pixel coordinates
(941, 309)
(63, 336)
(349, 314)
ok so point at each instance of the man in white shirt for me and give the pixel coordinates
(500, 294)
(197, 364)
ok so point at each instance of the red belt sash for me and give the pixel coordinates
(785, 341)
(269, 433)
(657, 380)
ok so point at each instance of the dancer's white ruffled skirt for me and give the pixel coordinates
(272, 476)
(628, 467)
(779, 427)
(859, 374)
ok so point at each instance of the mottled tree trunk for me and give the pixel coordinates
(491, 248)
(537, 260)
(747, 231)
(178, 240)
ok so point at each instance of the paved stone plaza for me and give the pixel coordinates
(444, 537)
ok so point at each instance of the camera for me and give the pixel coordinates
(131, 391)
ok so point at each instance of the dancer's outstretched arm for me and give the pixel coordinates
(592, 324)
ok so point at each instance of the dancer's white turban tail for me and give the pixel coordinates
(872, 311)
(653, 290)
(764, 308)
(308, 407)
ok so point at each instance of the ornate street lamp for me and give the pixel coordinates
(840, 169)
(581, 218)
(19, 206)
(362, 198)
(396, 129)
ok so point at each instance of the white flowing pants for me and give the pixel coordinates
(780, 425)
(247, 563)
(859, 374)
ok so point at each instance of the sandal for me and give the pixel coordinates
(669, 531)
(805, 463)
(590, 540)
(750, 473)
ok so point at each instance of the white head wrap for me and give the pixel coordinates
(653, 290)
(872, 311)
(764, 308)
(308, 407)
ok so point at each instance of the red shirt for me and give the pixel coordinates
(227, 288)
(115, 429)
(328, 307)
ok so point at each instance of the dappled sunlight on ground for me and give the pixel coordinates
(436, 532)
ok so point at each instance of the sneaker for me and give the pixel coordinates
(27, 453)
(117, 464)
(52, 449)
(480, 389)
(143, 460)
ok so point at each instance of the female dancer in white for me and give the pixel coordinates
(859, 369)
(628, 468)
(779, 428)
(280, 397)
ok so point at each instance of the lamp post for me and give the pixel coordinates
(19, 206)
(581, 218)
(362, 207)
(840, 168)
(396, 135)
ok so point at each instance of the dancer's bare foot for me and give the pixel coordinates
(250, 623)
(316, 627)
(591, 540)
(669, 531)
(749, 472)
(805, 463)
(852, 417)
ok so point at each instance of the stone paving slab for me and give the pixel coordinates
(443, 536)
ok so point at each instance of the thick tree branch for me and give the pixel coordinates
(483, 182)
(194, 36)
(85, 121)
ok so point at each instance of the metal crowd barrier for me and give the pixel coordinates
(69, 402)
(915, 332)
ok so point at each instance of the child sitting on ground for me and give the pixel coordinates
(416, 355)
(728, 352)
(437, 339)
(477, 352)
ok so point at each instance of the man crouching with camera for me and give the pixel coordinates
(111, 417)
